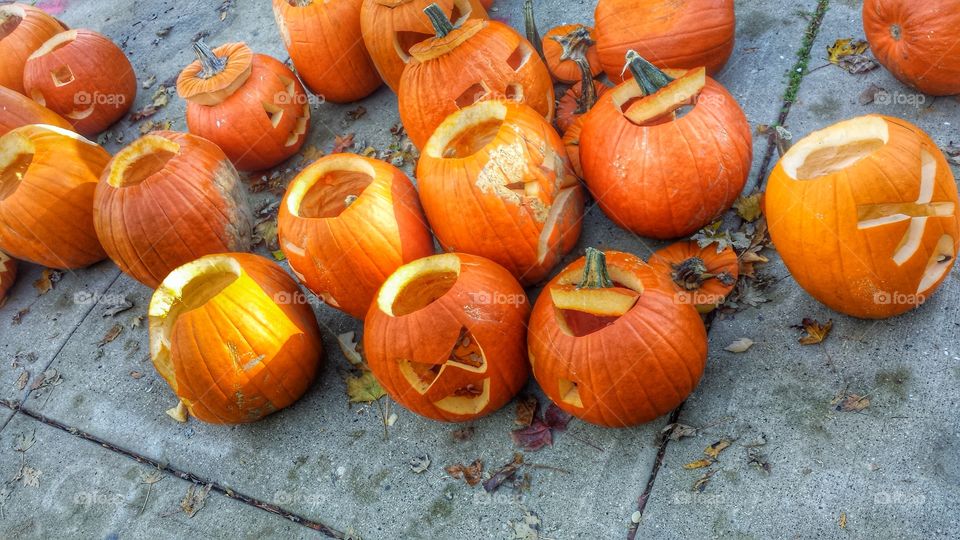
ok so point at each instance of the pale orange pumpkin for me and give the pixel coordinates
(23, 28)
(18, 110)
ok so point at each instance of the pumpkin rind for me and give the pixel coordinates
(569, 104)
(565, 70)
(233, 337)
(23, 29)
(167, 199)
(702, 276)
(864, 214)
(47, 180)
(346, 223)
(8, 275)
(446, 337)
(17, 110)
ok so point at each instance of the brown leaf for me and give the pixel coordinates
(471, 474)
(533, 437)
(870, 94)
(713, 451)
(844, 402)
(698, 464)
(18, 316)
(527, 408)
(701, 483)
(503, 474)
(23, 379)
(195, 499)
(843, 48)
(111, 334)
(858, 63)
(755, 458)
(357, 113)
(814, 332)
(749, 207)
(311, 153)
(266, 232)
(676, 431)
(342, 143)
(843, 520)
(47, 281)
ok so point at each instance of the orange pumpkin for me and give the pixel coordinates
(571, 143)
(8, 275)
(23, 28)
(864, 214)
(563, 44)
(445, 337)
(250, 105)
(232, 336)
(84, 77)
(702, 276)
(18, 110)
(346, 223)
(495, 181)
(47, 179)
(480, 60)
(663, 157)
(610, 345)
(916, 41)
(322, 38)
(391, 27)
(167, 199)
(677, 35)
(573, 104)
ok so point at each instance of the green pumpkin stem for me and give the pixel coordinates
(530, 25)
(595, 274)
(575, 46)
(648, 76)
(210, 63)
(441, 23)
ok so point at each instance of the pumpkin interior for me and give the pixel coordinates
(466, 355)
(583, 311)
(468, 399)
(142, 159)
(473, 139)
(835, 148)
(16, 155)
(328, 188)
(418, 284)
(10, 19)
(422, 291)
(468, 131)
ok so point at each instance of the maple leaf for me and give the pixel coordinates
(471, 474)
(749, 207)
(842, 48)
(533, 437)
(814, 332)
(556, 418)
(364, 388)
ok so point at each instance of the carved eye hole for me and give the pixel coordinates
(471, 95)
(519, 56)
(570, 393)
(469, 399)
(300, 128)
(274, 113)
(62, 76)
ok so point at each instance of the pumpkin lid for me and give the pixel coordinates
(216, 74)
(449, 36)
(653, 94)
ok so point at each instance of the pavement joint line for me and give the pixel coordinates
(316, 526)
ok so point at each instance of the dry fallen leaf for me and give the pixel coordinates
(178, 413)
(698, 464)
(844, 402)
(869, 95)
(471, 474)
(364, 388)
(814, 332)
(47, 280)
(713, 451)
(845, 47)
(29, 476)
(23, 379)
(418, 464)
(195, 499)
(675, 432)
(351, 348)
(749, 207)
(755, 458)
(503, 474)
(843, 520)
(111, 334)
(527, 407)
(739, 345)
(533, 437)
(464, 434)
(342, 143)
(701, 483)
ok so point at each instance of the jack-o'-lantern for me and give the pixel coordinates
(8, 274)
(703, 276)
(23, 28)
(18, 110)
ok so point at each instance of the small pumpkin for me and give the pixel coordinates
(684, 139)
(18, 110)
(610, 345)
(167, 199)
(8, 275)
(47, 179)
(864, 214)
(480, 60)
(563, 44)
(82, 76)
(916, 41)
(233, 337)
(23, 29)
(675, 35)
(346, 223)
(250, 105)
(322, 40)
(445, 336)
(571, 143)
(702, 276)
(495, 181)
(391, 27)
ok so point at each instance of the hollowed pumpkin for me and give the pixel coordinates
(8, 275)
(231, 336)
(18, 110)
(47, 180)
(346, 223)
(250, 105)
(167, 199)
(495, 181)
(23, 29)
(445, 336)
(610, 345)
(864, 214)
(702, 276)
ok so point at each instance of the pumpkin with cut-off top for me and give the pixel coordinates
(23, 29)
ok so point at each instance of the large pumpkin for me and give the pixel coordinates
(610, 344)
(8, 274)
(84, 77)
(391, 27)
(323, 39)
(346, 223)
(18, 110)
(659, 172)
(23, 28)
(864, 214)
(676, 34)
(702, 276)
(445, 336)
(481, 60)
(250, 105)
(495, 181)
(47, 179)
(916, 41)
(233, 337)
(167, 199)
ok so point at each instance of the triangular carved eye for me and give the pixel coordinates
(473, 94)
(62, 76)
(274, 112)
(519, 56)
(466, 355)
(570, 393)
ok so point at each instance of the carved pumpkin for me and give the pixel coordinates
(391, 27)
(445, 337)
(916, 41)
(677, 35)
(233, 338)
(84, 77)
(864, 214)
(346, 223)
(23, 28)
(250, 105)
(495, 181)
(322, 38)
(47, 179)
(702, 276)
(609, 344)
(167, 199)
(560, 47)
(656, 171)
(18, 110)
(8, 275)
(480, 60)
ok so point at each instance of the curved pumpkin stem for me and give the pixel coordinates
(595, 275)
(648, 76)
(575, 46)
(691, 273)
(530, 25)
(441, 24)
(210, 63)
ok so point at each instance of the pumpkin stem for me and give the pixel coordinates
(210, 63)
(575, 46)
(648, 76)
(530, 24)
(441, 24)
(595, 274)
(691, 273)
